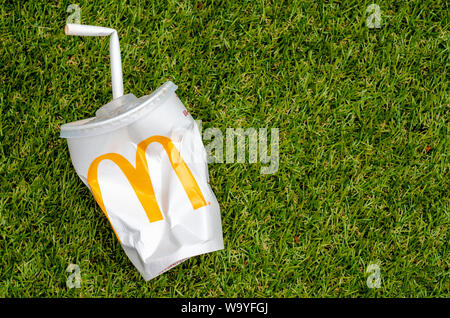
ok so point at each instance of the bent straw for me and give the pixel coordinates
(114, 51)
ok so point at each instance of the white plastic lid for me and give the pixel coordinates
(118, 113)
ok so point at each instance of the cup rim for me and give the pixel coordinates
(83, 128)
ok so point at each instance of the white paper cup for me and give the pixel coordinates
(144, 161)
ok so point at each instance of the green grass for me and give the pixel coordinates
(363, 116)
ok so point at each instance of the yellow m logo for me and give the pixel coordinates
(139, 177)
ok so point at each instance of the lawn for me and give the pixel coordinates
(363, 117)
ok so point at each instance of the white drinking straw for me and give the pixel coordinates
(114, 51)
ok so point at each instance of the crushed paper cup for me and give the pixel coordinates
(144, 161)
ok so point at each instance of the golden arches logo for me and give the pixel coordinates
(140, 180)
